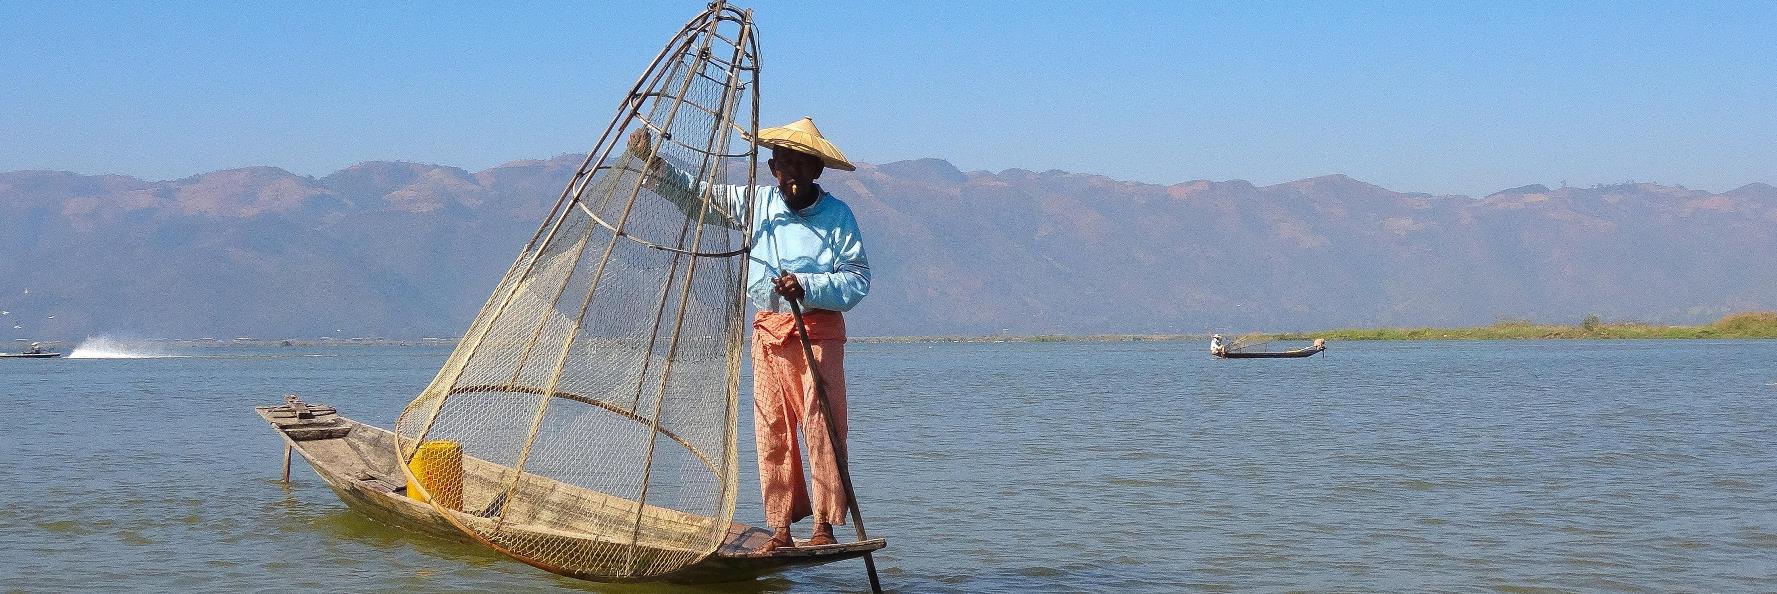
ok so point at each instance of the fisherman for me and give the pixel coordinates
(806, 247)
(36, 349)
(1215, 345)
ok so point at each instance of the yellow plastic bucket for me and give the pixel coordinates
(438, 465)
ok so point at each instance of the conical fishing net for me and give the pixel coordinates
(585, 423)
(1249, 341)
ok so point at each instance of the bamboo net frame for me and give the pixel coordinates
(594, 397)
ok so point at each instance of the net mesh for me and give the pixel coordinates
(593, 399)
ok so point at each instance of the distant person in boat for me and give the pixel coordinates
(1320, 343)
(36, 349)
(806, 246)
(1215, 345)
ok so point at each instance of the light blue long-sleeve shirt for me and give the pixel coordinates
(820, 244)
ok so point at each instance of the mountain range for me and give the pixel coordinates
(397, 249)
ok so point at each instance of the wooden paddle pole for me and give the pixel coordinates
(839, 454)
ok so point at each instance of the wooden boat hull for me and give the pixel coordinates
(1295, 354)
(358, 462)
(29, 355)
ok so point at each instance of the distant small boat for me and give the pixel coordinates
(1318, 347)
(29, 355)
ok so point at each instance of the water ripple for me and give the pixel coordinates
(1002, 468)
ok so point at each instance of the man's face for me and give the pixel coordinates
(795, 171)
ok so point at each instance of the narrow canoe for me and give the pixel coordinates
(358, 462)
(29, 355)
(1295, 354)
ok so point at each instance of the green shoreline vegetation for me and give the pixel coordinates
(1756, 324)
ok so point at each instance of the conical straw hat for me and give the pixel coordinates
(801, 136)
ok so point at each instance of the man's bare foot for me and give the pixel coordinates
(823, 535)
(779, 540)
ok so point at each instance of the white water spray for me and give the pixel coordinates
(108, 347)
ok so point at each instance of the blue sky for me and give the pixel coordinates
(1439, 97)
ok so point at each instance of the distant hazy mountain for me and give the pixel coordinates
(411, 250)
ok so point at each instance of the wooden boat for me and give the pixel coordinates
(358, 462)
(1292, 354)
(1318, 347)
(29, 355)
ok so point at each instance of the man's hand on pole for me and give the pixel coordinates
(787, 286)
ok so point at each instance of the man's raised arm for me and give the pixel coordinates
(683, 190)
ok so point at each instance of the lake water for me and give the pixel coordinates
(1559, 466)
